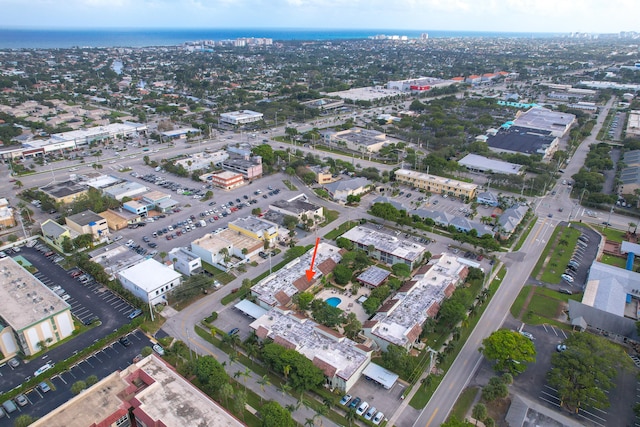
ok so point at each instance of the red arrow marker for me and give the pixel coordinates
(310, 272)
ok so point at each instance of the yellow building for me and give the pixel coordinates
(31, 314)
(54, 233)
(7, 219)
(437, 184)
(64, 192)
(256, 228)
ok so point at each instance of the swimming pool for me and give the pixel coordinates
(334, 301)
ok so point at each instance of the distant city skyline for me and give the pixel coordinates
(535, 16)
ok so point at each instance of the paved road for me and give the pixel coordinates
(519, 267)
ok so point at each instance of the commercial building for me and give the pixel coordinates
(65, 192)
(323, 104)
(487, 198)
(125, 189)
(419, 84)
(241, 117)
(476, 163)
(226, 248)
(356, 139)
(7, 220)
(556, 122)
(147, 393)
(339, 358)
(399, 321)
(88, 222)
(115, 258)
(437, 184)
(521, 140)
(278, 288)
(256, 228)
(185, 261)
(300, 208)
(342, 189)
(119, 219)
(182, 133)
(386, 247)
(150, 281)
(249, 167)
(31, 314)
(227, 179)
(633, 124)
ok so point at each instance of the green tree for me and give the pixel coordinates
(342, 274)
(584, 372)
(67, 245)
(240, 402)
(453, 421)
(78, 386)
(479, 412)
(91, 380)
(509, 350)
(401, 269)
(274, 415)
(146, 350)
(24, 420)
(304, 300)
(352, 326)
(210, 373)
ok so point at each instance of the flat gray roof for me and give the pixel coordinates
(485, 164)
(379, 374)
(250, 309)
(25, 299)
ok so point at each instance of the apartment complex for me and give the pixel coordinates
(437, 184)
(399, 321)
(386, 247)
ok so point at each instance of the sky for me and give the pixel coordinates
(536, 16)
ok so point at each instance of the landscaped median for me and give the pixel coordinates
(537, 305)
(556, 255)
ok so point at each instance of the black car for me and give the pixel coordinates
(124, 341)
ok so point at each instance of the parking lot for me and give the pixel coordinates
(179, 235)
(104, 362)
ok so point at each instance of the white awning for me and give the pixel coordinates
(250, 309)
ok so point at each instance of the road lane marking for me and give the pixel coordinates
(432, 416)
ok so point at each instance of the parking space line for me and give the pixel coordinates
(60, 376)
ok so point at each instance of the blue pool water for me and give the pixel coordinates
(334, 301)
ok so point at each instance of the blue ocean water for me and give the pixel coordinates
(51, 39)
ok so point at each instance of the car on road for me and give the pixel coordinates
(158, 349)
(345, 399)
(44, 387)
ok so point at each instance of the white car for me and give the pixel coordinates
(378, 418)
(370, 413)
(158, 349)
(43, 368)
(362, 408)
(527, 335)
(567, 278)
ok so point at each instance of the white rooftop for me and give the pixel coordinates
(486, 164)
(437, 179)
(149, 274)
(415, 301)
(608, 286)
(25, 299)
(294, 272)
(401, 248)
(316, 342)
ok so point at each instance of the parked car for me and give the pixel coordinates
(44, 387)
(378, 418)
(345, 399)
(567, 278)
(355, 402)
(158, 349)
(124, 341)
(43, 368)
(370, 413)
(362, 408)
(14, 363)
(135, 313)
(527, 335)
(21, 400)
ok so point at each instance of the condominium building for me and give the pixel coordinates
(386, 247)
(437, 184)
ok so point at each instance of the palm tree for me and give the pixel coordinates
(285, 370)
(308, 422)
(233, 357)
(225, 391)
(350, 415)
(264, 381)
(321, 411)
(240, 401)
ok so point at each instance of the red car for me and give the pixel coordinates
(168, 236)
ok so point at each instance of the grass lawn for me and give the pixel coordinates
(330, 216)
(610, 233)
(544, 307)
(558, 253)
(614, 260)
(464, 402)
(218, 274)
(516, 307)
